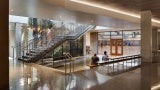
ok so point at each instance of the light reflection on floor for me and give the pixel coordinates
(37, 77)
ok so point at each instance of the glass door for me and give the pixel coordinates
(116, 46)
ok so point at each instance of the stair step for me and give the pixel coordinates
(25, 60)
(31, 54)
(35, 52)
(27, 57)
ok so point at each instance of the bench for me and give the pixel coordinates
(116, 60)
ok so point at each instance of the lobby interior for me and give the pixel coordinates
(134, 66)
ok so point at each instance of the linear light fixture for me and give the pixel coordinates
(156, 87)
(111, 9)
(155, 20)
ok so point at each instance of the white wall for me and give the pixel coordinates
(18, 19)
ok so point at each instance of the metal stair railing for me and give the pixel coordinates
(57, 40)
(80, 33)
(71, 62)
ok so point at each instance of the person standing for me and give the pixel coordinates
(49, 35)
(41, 36)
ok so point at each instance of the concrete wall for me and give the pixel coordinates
(88, 39)
(94, 42)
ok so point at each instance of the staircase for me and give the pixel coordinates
(31, 52)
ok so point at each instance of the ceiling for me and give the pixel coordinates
(135, 5)
(56, 10)
(70, 10)
(112, 9)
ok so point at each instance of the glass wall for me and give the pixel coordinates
(131, 40)
(74, 47)
(34, 34)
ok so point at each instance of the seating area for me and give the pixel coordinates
(119, 59)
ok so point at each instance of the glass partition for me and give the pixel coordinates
(38, 31)
(130, 41)
(75, 48)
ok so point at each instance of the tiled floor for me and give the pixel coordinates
(38, 77)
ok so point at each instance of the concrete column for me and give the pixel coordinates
(159, 39)
(87, 43)
(24, 33)
(84, 45)
(94, 42)
(18, 36)
(146, 36)
(4, 48)
(146, 76)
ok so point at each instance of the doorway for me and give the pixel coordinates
(116, 47)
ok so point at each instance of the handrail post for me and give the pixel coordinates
(73, 65)
(32, 45)
(23, 54)
(65, 64)
(70, 64)
(27, 47)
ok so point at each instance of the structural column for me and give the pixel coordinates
(87, 43)
(84, 45)
(146, 76)
(146, 36)
(159, 39)
(94, 42)
(4, 48)
(18, 40)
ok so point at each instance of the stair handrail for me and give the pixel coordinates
(60, 39)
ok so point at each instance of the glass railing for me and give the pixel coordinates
(37, 47)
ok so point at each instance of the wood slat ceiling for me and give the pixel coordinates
(138, 5)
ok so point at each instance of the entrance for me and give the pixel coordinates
(116, 46)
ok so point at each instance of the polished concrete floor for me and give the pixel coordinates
(37, 77)
(81, 62)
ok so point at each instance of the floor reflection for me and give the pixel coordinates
(36, 77)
